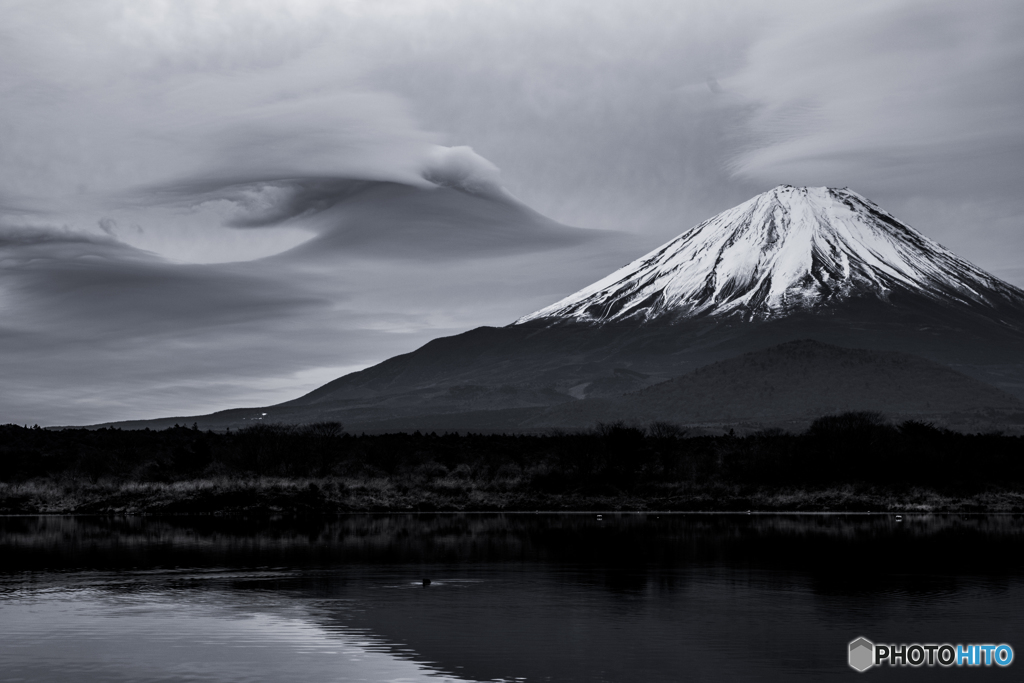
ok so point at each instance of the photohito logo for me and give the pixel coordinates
(863, 654)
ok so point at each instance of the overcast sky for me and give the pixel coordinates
(212, 204)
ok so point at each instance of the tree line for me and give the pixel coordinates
(851, 448)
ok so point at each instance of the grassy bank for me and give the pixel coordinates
(333, 496)
(851, 462)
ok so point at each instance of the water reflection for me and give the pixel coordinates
(91, 634)
(534, 597)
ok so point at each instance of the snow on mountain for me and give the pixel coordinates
(786, 250)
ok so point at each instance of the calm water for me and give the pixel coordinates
(513, 597)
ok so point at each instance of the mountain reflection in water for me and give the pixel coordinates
(535, 597)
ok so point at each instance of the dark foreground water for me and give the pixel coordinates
(642, 598)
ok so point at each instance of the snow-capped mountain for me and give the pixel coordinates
(786, 250)
(791, 269)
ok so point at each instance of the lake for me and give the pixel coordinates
(512, 597)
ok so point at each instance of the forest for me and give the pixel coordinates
(851, 461)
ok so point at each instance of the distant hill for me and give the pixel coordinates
(785, 386)
(796, 382)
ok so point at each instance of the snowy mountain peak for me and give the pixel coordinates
(786, 250)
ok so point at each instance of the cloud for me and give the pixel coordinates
(254, 202)
(29, 236)
(108, 226)
(440, 224)
(925, 96)
(90, 326)
(457, 209)
(108, 96)
(257, 203)
(463, 169)
(97, 290)
(213, 204)
(589, 108)
(598, 113)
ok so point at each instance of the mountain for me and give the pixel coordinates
(817, 264)
(789, 250)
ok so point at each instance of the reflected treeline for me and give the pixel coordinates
(833, 546)
(563, 597)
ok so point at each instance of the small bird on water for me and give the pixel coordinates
(426, 582)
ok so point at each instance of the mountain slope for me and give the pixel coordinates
(790, 264)
(796, 382)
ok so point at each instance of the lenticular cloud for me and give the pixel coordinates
(463, 169)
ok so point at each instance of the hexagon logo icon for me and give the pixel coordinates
(862, 654)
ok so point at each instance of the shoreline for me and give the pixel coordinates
(281, 496)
